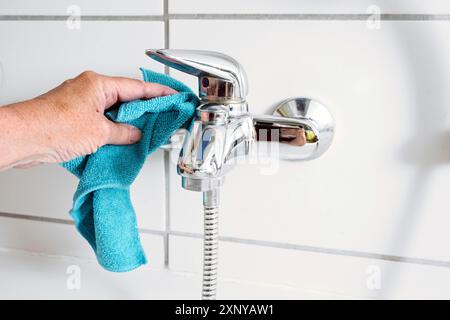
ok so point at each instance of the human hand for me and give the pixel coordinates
(69, 120)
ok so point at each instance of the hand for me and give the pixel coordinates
(69, 120)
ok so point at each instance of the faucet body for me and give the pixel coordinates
(213, 145)
(223, 131)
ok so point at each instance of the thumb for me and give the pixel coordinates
(122, 134)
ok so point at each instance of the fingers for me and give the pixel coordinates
(122, 134)
(125, 89)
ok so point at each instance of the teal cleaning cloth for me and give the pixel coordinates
(102, 208)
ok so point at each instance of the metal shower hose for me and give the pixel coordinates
(210, 243)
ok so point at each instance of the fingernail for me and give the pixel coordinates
(172, 91)
(135, 134)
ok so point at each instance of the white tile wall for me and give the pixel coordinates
(44, 191)
(63, 240)
(38, 55)
(381, 187)
(86, 7)
(377, 195)
(47, 191)
(327, 273)
(28, 274)
(148, 193)
(308, 7)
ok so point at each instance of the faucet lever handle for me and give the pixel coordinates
(220, 77)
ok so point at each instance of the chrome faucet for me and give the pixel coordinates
(224, 131)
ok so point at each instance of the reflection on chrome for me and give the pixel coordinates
(223, 130)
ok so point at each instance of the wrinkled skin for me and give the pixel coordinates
(69, 120)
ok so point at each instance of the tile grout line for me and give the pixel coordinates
(166, 207)
(166, 157)
(324, 250)
(311, 16)
(28, 217)
(261, 243)
(188, 16)
(35, 218)
(83, 18)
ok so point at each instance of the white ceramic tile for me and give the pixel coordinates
(26, 276)
(43, 237)
(327, 273)
(85, 7)
(44, 191)
(64, 240)
(321, 6)
(36, 56)
(242, 290)
(382, 185)
(148, 193)
(47, 191)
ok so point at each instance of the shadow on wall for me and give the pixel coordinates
(429, 145)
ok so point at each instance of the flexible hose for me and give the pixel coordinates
(210, 243)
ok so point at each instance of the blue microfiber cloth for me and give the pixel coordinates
(102, 209)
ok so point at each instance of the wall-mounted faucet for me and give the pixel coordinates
(223, 130)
